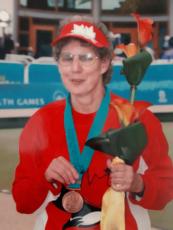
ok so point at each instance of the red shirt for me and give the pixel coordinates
(43, 139)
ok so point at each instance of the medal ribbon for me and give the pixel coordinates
(82, 160)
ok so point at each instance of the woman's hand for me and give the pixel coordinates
(61, 170)
(123, 178)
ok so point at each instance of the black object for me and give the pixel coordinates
(126, 143)
(78, 219)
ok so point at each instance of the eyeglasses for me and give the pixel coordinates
(87, 59)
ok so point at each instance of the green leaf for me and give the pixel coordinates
(134, 68)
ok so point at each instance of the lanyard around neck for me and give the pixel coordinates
(82, 160)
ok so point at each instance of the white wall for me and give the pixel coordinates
(8, 5)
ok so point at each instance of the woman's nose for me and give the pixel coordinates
(76, 65)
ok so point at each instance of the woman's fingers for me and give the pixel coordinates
(61, 170)
(69, 169)
(121, 176)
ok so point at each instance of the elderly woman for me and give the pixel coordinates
(58, 175)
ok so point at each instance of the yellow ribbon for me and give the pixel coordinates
(113, 207)
(113, 202)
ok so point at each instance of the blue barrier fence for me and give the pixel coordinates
(43, 73)
(156, 87)
(11, 72)
(20, 96)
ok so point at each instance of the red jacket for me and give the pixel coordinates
(43, 139)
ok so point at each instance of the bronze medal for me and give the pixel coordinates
(72, 202)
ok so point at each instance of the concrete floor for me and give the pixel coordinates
(10, 219)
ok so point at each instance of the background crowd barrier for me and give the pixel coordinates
(40, 84)
(43, 73)
(156, 87)
(11, 72)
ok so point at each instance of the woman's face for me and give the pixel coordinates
(81, 70)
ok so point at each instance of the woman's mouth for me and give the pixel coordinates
(77, 81)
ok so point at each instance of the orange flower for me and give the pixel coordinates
(145, 29)
(129, 50)
(126, 112)
(145, 32)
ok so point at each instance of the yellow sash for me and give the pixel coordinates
(113, 202)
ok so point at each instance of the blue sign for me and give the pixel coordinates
(20, 96)
(43, 73)
(11, 72)
(156, 87)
